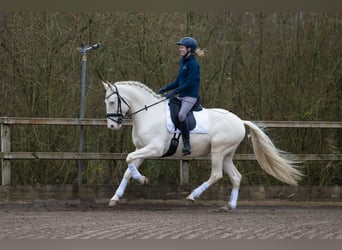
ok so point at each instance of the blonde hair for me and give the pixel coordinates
(200, 52)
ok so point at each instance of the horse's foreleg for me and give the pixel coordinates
(137, 175)
(121, 189)
(146, 152)
(134, 160)
(123, 184)
(149, 151)
(235, 178)
(216, 174)
(138, 156)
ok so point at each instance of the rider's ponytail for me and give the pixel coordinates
(200, 52)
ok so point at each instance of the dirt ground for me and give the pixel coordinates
(167, 221)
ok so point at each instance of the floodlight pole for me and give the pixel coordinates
(84, 50)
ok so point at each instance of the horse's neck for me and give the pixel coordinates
(147, 118)
(138, 97)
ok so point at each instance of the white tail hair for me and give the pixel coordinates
(271, 159)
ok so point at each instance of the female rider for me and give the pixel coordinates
(186, 85)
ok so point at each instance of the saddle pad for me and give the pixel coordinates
(202, 122)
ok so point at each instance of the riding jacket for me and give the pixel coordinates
(187, 82)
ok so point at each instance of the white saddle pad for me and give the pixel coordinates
(202, 122)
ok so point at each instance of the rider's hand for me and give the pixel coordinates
(161, 91)
(169, 95)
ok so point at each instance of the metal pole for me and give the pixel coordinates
(84, 50)
(5, 148)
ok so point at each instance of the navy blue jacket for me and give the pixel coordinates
(187, 82)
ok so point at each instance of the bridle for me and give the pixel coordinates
(119, 115)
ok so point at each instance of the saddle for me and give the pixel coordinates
(175, 105)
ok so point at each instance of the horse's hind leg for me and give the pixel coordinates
(235, 178)
(123, 184)
(216, 174)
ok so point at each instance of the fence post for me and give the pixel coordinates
(184, 172)
(5, 148)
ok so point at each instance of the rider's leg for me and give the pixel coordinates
(187, 104)
(186, 138)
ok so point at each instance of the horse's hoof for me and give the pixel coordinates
(190, 199)
(189, 202)
(113, 203)
(224, 208)
(231, 206)
(146, 181)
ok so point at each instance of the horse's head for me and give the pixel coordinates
(116, 106)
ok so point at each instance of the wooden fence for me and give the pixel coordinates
(6, 155)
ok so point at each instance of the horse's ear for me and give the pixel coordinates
(111, 86)
(105, 85)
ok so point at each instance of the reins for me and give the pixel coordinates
(145, 108)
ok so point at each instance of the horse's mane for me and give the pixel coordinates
(140, 85)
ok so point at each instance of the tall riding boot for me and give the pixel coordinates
(186, 138)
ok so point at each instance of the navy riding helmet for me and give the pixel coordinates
(188, 42)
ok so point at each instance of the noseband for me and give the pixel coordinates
(119, 115)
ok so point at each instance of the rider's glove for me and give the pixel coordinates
(169, 95)
(161, 91)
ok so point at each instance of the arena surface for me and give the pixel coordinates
(165, 221)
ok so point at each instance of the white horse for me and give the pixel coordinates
(151, 139)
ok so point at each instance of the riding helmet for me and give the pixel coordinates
(188, 42)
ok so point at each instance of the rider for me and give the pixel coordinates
(186, 85)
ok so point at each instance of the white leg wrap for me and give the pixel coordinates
(198, 191)
(233, 198)
(121, 189)
(134, 171)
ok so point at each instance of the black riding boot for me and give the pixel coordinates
(186, 138)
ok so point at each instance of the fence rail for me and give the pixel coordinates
(6, 155)
(122, 156)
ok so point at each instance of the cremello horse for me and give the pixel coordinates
(151, 139)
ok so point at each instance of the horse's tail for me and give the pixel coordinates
(271, 159)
